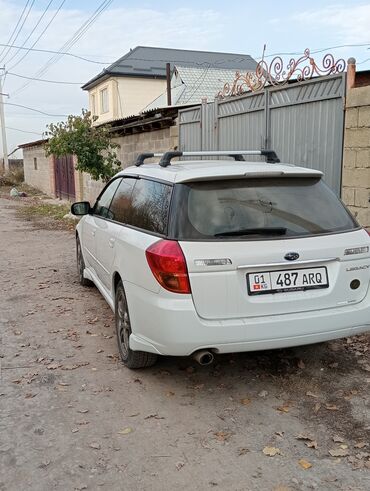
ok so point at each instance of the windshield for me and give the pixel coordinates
(257, 208)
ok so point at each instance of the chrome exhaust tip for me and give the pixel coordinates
(203, 357)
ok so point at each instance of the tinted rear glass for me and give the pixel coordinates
(120, 208)
(150, 202)
(257, 208)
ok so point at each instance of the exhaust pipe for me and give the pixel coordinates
(203, 357)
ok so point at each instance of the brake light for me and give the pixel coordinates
(167, 263)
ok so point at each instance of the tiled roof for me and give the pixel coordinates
(145, 61)
(191, 84)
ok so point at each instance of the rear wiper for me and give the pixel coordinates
(254, 231)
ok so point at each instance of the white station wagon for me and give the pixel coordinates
(216, 256)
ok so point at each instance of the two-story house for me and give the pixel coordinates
(138, 78)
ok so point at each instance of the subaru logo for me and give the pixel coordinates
(291, 256)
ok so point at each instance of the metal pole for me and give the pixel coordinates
(3, 131)
(168, 77)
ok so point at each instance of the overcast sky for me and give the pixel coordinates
(238, 26)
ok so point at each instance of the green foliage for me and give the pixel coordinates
(92, 145)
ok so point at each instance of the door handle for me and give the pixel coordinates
(111, 242)
(93, 232)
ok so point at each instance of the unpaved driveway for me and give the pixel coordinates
(72, 417)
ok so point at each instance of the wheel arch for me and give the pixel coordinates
(115, 280)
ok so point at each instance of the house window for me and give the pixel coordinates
(35, 163)
(104, 103)
(93, 105)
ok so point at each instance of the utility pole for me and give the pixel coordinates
(2, 124)
(168, 79)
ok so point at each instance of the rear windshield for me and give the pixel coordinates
(257, 209)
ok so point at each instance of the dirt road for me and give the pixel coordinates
(73, 418)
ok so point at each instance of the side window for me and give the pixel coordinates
(120, 209)
(102, 205)
(104, 101)
(150, 203)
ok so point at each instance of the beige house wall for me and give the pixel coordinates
(43, 177)
(127, 96)
(112, 112)
(135, 93)
(356, 159)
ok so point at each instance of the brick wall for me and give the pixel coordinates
(39, 174)
(356, 159)
(130, 146)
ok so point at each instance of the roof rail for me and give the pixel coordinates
(270, 155)
(148, 155)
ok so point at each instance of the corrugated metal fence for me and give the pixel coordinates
(302, 122)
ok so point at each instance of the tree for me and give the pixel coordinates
(92, 145)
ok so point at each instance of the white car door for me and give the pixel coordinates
(93, 223)
(87, 237)
(108, 229)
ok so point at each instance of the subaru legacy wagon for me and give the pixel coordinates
(197, 257)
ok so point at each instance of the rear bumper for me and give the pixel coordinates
(169, 325)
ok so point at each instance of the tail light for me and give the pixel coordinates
(367, 230)
(167, 263)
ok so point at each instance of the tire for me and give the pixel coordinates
(81, 265)
(132, 359)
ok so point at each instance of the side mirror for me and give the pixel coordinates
(80, 208)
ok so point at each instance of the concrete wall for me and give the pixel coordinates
(356, 159)
(127, 96)
(43, 177)
(14, 165)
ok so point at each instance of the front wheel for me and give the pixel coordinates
(132, 359)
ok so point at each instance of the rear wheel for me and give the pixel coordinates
(81, 265)
(132, 359)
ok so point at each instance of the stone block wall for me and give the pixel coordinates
(130, 146)
(150, 141)
(356, 158)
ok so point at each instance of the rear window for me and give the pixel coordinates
(257, 209)
(149, 206)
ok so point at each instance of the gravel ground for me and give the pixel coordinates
(73, 417)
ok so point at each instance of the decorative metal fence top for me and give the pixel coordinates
(275, 73)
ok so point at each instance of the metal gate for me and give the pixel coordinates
(64, 177)
(303, 122)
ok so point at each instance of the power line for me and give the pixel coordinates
(363, 61)
(23, 131)
(39, 37)
(36, 110)
(68, 44)
(58, 52)
(320, 50)
(246, 57)
(16, 26)
(20, 28)
(44, 80)
(201, 78)
(33, 30)
(201, 64)
(76, 36)
(79, 33)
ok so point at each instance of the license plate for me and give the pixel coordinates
(287, 280)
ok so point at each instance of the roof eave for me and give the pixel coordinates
(104, 76)
(34, 143)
